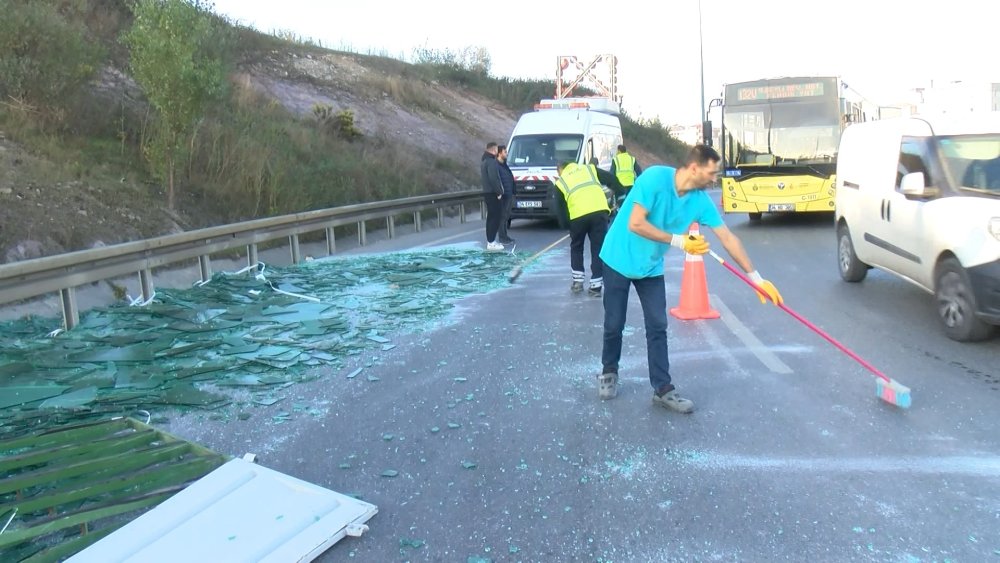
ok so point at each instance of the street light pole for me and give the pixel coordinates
(701, 57)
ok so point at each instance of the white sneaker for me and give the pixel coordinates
(494, 247)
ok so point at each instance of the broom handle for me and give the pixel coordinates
(801, 319)
(544, 250)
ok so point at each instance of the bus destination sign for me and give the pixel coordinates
(780, 91)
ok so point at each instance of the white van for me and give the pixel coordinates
(920, 197)
(581, 130)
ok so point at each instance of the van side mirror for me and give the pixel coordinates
(912, 186)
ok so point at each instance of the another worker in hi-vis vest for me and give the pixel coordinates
(582, 207)
(625, 168)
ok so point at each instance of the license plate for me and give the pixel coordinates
(529, 203)
(781, 207)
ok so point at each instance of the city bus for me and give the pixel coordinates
(779, 143)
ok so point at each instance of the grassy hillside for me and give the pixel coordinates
(88, 148)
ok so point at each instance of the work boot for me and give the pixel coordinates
(607, 385)
(576, 287)
(672, 400)
(594, 291)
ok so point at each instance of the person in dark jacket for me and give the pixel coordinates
(507, 201)
(492, 193)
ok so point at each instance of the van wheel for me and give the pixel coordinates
(755, 217)
(851, 269)
(957, 303)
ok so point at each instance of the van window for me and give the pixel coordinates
(605, 147)
(913, 157)
(543, 150)
(973, 161)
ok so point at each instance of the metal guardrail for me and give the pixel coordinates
(63, 272)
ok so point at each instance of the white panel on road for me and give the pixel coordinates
(239, 512)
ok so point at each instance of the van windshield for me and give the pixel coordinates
(972, 161)
(543, 150)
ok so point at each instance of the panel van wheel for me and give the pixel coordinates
(851, 269)
(755, 217)
(957, 304)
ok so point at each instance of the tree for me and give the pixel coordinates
(172, 61)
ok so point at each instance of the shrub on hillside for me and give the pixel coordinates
(45, 57)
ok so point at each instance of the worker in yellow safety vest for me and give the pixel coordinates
(625, 168)
(582, 207)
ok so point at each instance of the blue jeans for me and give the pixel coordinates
(653, 297)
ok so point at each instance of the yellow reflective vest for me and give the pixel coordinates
(582, 190)
(625, 169)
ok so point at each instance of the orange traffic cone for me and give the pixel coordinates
(694, 288)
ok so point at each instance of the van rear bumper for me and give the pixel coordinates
(985, 280)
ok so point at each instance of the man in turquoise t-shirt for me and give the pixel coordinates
(656, 215)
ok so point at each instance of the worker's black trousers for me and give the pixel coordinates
(493, 216)
(593, 226)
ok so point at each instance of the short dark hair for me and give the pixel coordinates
(501, 148)
(564, 164)
(701, 155)
(491, 145)
(621, 148)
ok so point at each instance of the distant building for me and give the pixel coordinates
(957, 96)
(690, 134)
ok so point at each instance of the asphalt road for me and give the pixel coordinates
(789, 455)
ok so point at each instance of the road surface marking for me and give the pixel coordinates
(447, 238)
(765, 355)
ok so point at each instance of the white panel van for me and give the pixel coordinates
(581, 130)
(920, 197)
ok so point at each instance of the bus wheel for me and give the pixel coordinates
(851, 269)
(755, 217)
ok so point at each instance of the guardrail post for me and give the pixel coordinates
(461, 210)
(293, 242)
(390, 225)
(205, 264)
(416, 221)
(440, 211)
(251, 255)
(482, 210)
(146, 284)
(331, 241)
(71, 315)
(362, 233)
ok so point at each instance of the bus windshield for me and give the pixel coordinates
(782, 134)
(543, 150)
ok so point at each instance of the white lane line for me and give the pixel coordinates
(977, 466)
(716, 347)
(766, 356)
(447, 238)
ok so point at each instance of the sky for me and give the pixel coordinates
(881, 48)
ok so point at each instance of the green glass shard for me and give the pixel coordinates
(21, 395)
(71, 400)
(267, 401)
(390, 473)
